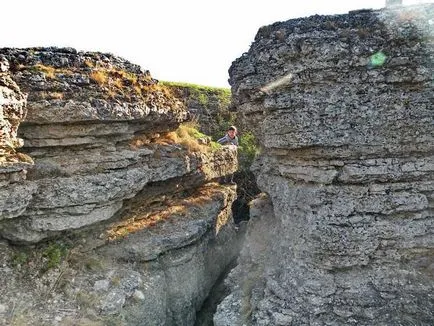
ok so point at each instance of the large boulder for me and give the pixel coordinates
(343, 107)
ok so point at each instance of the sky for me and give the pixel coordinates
(191, 41)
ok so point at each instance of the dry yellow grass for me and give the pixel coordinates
(88, 63)
(186, 135)
(47, 70)
(169, 209)
(111, 93)
(171, 137)
(137, 89)
(24, 158)
(123, 83)
(193, 146)
(99, 76)
(118, 83)
(14, 157)
(52, 95)
(157, 211)
(139, 141)
(114, 82)
(142, 220)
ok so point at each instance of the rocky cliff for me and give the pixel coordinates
(12, 112)
(119, 220)
(12, 163)
(343, 106)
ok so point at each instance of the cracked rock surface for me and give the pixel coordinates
(343, 107)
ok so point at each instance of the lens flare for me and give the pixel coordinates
(377, 59)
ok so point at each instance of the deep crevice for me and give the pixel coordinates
(247, 190)
(204, 317)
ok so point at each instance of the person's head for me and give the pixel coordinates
(232, 131)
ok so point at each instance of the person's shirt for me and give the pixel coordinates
(226, 140)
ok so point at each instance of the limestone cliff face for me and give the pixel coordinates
(13, 165)
(343, 106)
(95, 145)
(120, 185)
(13, 111)
(65, 86)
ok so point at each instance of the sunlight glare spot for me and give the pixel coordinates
(285, 80)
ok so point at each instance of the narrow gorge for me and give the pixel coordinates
(111, 209)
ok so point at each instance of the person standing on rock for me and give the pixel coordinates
(230, 138)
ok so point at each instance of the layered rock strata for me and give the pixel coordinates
(13, 165)
(343, 107)
(154, 268)
(100, 142)
(120, 207)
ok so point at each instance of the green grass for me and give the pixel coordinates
(247, 150)
(203, 99)
(54, 253)
(215, 146)
(191, 129)
(20, 258)
(202, 88)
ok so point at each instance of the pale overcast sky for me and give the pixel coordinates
(192, 41)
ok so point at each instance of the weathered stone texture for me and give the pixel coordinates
(96, 145)
(12, 106)
(134, 273)
(182, 257)
(66, 86)
(343, 107)
(14, 196)
(148, 229)
(12, 112)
